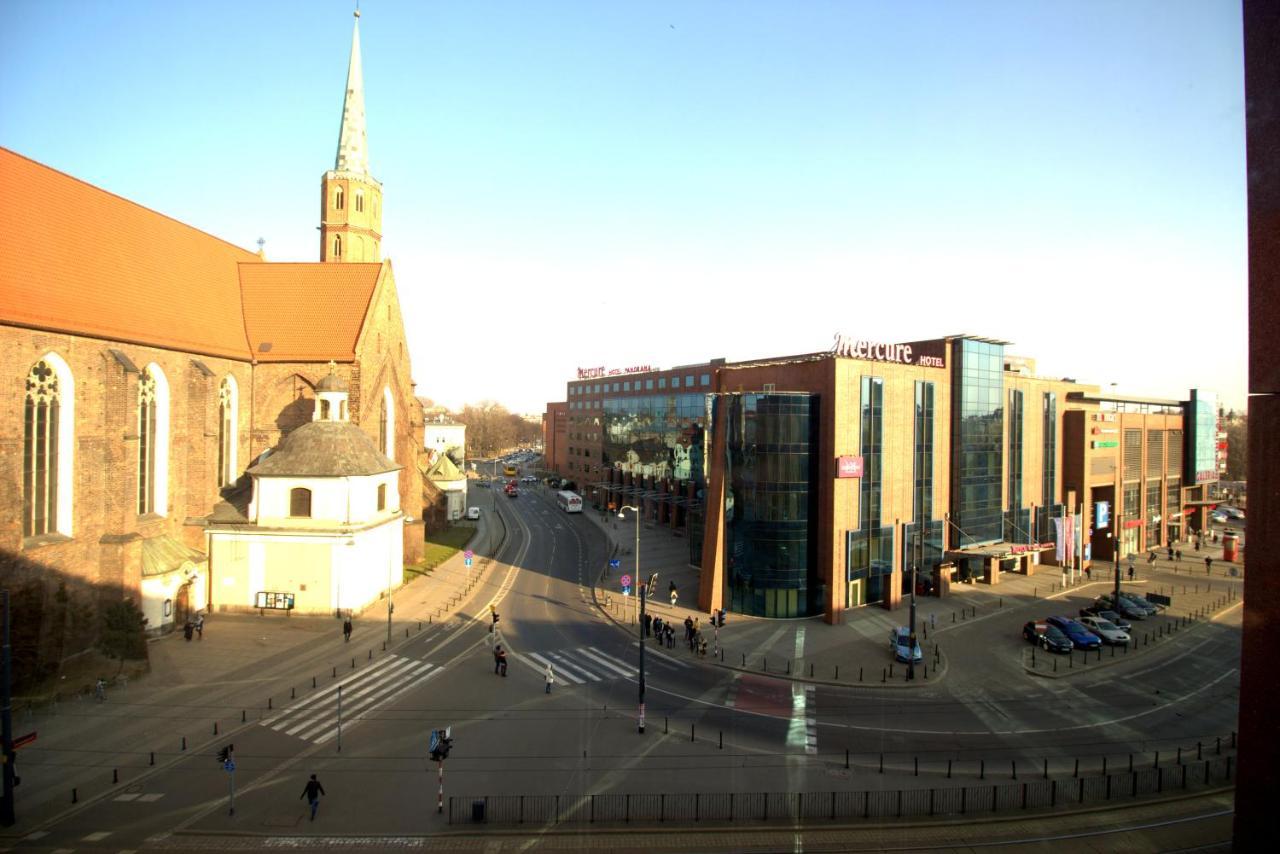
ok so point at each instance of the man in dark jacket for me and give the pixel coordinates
(312, 793)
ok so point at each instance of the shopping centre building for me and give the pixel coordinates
(816, 483)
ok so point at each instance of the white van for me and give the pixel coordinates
(473, 512)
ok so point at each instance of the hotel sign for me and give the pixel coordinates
(903, 354)
(592, 373)
(850, 466)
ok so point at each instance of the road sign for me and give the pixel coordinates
(626, 591)
(466, 561)
(626, 581)
(468, 554)
(23, 740)
(614, 564)
(230, 765)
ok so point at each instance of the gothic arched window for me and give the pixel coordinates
(300, 502)
(227, 432)
(337, 246)
(146, 441)
(337, 199)
(40, 451)
(359, 201)
(382, 426)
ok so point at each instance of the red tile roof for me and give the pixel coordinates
(306, 312)
(79, 259)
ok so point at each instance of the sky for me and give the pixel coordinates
(585, 184)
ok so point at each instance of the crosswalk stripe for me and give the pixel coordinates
(317, 712)
(595, 655)
(420, 677)
(542, 664)
(569, 665)
(302, 706)
(317, 707)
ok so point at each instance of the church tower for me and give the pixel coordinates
(350, 198)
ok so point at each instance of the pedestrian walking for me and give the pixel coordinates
(1177, 555)
(648, 624)
(200, 626)
(1151, 558)
(674, 594)
(312, 792)
(688, 631)
(346, 630)
(1208, 564)
(497, 659)
(188, 630)
(1088, 573)
(670, 632)
(657, 629)
(550, 677)
(502, 661)
(1170, 552)
(1131, 572)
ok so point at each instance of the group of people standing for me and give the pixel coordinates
(659, 629)
(194, 629)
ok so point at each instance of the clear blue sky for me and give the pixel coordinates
(605, 183)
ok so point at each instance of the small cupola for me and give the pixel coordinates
(331, 397)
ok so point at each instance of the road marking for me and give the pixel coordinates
(96, 837)
(360, 716)
(597, 655)
(673, 661)
(310, 707)
(38, 834)
(802, 728)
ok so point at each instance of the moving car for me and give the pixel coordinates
(511, 490)
(900, 643)
(473, 512)
(1105, 629)
(1047, 636)
(1081, 638)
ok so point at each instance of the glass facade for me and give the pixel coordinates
(922, 495)
(661, 436)
(1154, 497)
(869, 560)
(977, 430)
(770, 504)
(1013, 531)
(1048, 482)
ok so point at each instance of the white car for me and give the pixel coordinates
(1105, 629)
(473, 512)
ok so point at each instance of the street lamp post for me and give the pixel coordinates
(1115, 599)
(911, 649)
(640, 589)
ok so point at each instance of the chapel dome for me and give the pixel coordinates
(331, 382)
(325, 449)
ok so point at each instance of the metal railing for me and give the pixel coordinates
(727, 807)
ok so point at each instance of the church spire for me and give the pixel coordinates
(353, 144)
(351, 198)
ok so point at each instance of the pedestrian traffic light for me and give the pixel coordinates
(225, 753)
(441, 741)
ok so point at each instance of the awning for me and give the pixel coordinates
(998, 551)
(163, 554)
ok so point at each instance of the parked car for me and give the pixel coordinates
(1081, 638)
(1047, 636)
(1142, 603)
(900, 643)
(1124, 607)
(473, 512)
(1105, 629)
(1103, 611)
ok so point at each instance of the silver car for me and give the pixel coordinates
(1105, 629)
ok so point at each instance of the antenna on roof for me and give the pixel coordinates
(262, 241)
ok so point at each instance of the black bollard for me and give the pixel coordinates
(722, 739)
(1046, 768)
(268, 703)
(846, 757)
(1157, 762)
(153, 758)
(184, 742)
(1013, 764)
(115, 776)
(370, 658)
(74, 798)
(243, 716)
(1076, 773)
(293, 693)
(881, 763)
(1104, 766)
(215, 727)
(982, 769)
(334, 674)
(666, 725)
(948, 769)
(693, 728)
(353, 662)
(810, 669)
(916, 772)
(313, 681)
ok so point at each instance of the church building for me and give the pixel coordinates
(160, 434)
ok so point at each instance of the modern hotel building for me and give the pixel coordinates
(815, 483)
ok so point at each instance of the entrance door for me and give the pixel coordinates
(182, 605)
(857, 593)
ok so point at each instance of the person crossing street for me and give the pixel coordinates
(312, 793)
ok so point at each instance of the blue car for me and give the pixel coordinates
(900, 643)
(1080, 637)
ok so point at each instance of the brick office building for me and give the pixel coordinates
(149, 365)
(811, 484)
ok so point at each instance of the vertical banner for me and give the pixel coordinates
(1060, 553)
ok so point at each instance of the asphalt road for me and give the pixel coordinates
(709, 728)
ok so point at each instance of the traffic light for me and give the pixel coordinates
(717, 618)
(224, 755)
(440, 743)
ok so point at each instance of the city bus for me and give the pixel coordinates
(569, 502)
(509, 470)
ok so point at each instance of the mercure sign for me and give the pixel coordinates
(877, 351)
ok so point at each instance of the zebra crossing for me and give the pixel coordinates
(586, 664)
(315, 718)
